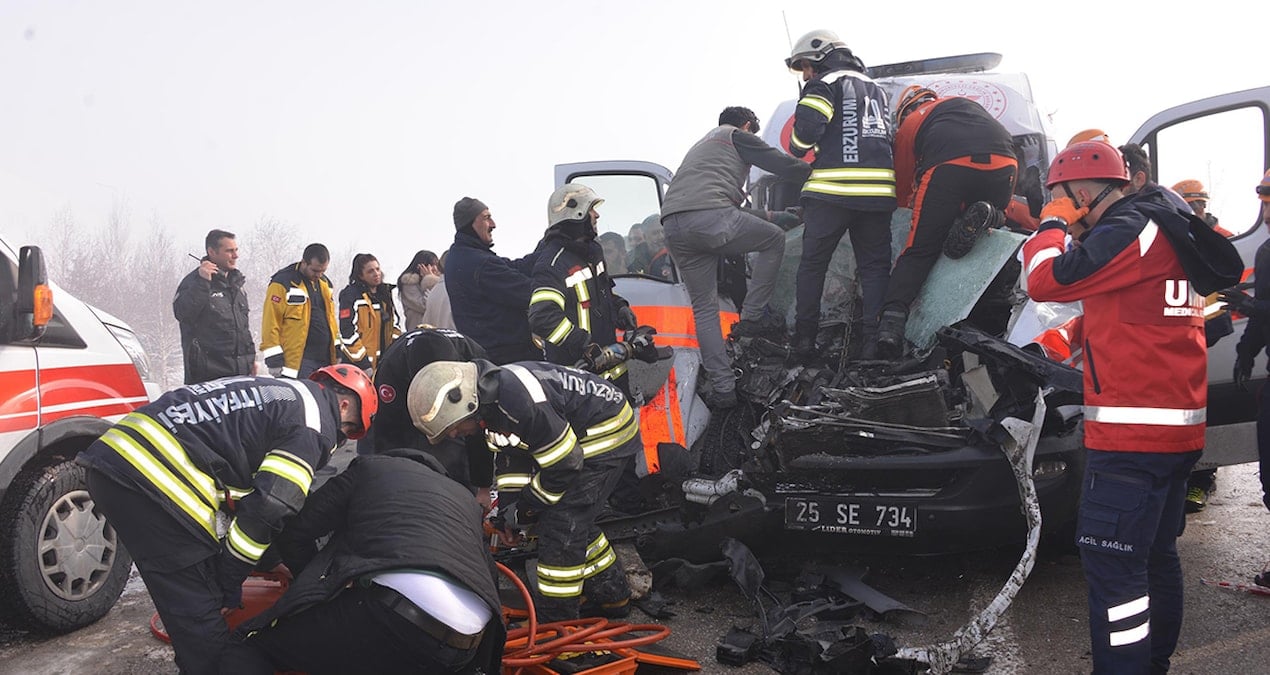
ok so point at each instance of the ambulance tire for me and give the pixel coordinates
(725, 444)
(65, 566)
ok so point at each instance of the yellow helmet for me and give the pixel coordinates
(441, 395)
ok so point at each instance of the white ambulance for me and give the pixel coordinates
(67, 370)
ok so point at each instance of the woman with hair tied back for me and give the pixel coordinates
(414, 283)
(368, 318)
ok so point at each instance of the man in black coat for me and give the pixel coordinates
(405, 584)
(211, 307)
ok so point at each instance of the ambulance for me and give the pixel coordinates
(67, 370)
(933, 497)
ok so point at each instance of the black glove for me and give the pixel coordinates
(598, 359)
(625, 318)
(518, 516)
(1243, 371)
(641, 343)
(1237, 301)
(788, 219)
(230, 575)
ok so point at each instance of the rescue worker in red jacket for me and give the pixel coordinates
(563, 438)
(843, 116)
(953, 162)
(199, 482)
(1144, 424)
(573, 309)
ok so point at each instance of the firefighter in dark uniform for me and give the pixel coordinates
(573, 309)
(951, 157)
(468, 460)
(843, 117)
(198, 482)
(406, 583)
(1144, 424)
(564, 437)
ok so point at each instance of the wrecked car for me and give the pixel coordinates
(905, 456)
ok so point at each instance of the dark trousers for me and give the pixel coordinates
(567, 536)
(351, 633)
(942, 194)
(824, 225)
(179, 570)
(1131, 513)
(1263, 440)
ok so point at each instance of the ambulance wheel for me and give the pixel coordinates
(65, 566)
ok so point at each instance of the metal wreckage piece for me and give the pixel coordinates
(965, 387)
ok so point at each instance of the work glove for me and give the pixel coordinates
(1062, 210)
(1238, 301)
(230, 575)
(1243, 371)
(626, 318)
(519, 516)
(787, 219)
(275, 364)
(641, 344)
(598, 359)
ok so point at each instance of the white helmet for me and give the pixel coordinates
(571, 201)
(813, 47)
(441, 395)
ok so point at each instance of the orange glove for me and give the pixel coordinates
(1063, 209)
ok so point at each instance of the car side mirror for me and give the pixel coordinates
(34, 305)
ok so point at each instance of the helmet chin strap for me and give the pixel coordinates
(1092, 204)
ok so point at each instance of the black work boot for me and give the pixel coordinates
(969, 226)
(769, 324)
(890, 342)
(803, 350)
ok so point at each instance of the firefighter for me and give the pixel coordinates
(368, 318)
(405, 585)
(1256, 337)
(573, 309)
(955, 167)
(704, 221)
(298, 328)
(1144, 425)
(844, 118)
(564, 437)
(467, 461)
(198, 482)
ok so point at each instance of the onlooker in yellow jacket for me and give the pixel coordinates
(298, 329)
(368, 319)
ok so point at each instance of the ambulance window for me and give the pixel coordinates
(1226, 152)
(8, 294)
(631, 209)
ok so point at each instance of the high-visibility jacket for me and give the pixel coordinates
(573, 303)
(284, 326)
(545, 421)
(845, 118)
(231, 459)
(1146, 362)
(368, 323)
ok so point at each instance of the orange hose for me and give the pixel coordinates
(523, 648)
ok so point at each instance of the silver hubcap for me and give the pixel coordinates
(77, 547)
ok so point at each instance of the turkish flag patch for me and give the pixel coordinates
(387, 394)
(345, 313)
(276, 298)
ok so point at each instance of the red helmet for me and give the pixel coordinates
(355, 380)
(1088, 160)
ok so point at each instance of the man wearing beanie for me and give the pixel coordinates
(489, 294)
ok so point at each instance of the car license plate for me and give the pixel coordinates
(829, 514)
